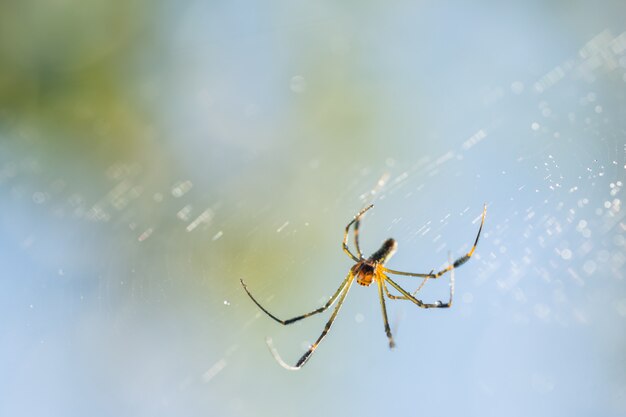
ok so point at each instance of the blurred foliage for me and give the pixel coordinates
(66, 71)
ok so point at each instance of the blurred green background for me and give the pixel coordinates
(152, 154)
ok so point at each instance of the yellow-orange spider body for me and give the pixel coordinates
(366, 270)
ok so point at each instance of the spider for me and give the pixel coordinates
(366, 271)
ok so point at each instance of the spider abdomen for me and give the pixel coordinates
(385, 252)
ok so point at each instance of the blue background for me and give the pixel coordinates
(153, 154)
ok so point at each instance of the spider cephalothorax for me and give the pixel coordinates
(367, 271)
(364, 271)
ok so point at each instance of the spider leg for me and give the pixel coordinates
(314, 346)
(356, 238)
(381, 284)
(303, 316)
(452, 265)
(420, 303)
(396, 297)
(409, 274)
(391, 296)
(451, 285)
(356, 218)
(420, 287)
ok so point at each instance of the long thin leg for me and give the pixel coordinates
(345, 235)
(396, 297)
(356, 238)
(451, 285)
(453, 265)
(420, 303)
(409, 274)
(314, 346)
(384, 310)
(303, 316)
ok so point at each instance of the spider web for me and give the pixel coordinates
(123, 272)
